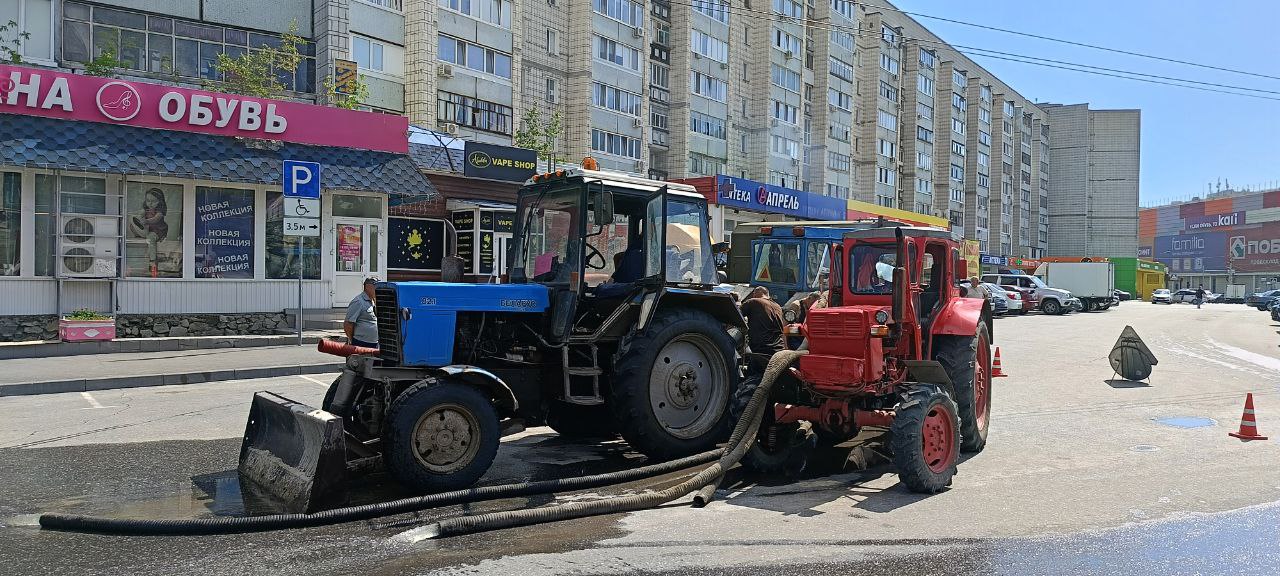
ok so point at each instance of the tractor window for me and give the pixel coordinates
(777, 263)
(550, 228)
(926, 272)
(688, 249)
(871, 269)
(611, 241)
(817, 266)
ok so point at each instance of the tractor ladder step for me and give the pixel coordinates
(581, 382)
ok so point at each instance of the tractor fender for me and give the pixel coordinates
(960, 317)
(718, 304)
(504, 397)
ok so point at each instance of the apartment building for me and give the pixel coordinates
(1093, 185)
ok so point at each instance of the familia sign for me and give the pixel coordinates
(752, 195)
(50, 94)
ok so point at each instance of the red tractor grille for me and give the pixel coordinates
(837, 331)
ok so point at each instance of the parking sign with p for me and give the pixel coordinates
(301, 179)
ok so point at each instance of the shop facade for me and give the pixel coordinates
(1216, 243)
(163, 206)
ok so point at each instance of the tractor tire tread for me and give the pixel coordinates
(906, 442)
(403, 417)
(957, 354)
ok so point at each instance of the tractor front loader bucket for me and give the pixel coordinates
(293, 455)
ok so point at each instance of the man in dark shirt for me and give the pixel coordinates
(764, 324)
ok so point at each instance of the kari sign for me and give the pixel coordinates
(1215, 221)
(752, 195)
(37, 92)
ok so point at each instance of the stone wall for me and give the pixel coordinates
(23, 328)
(160, 326)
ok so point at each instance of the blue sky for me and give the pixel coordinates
(1189, 137)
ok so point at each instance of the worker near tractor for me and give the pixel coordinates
(360, 324)
(764, 327)
(976, 289)
(800, 308)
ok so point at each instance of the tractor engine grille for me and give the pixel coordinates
(837, 331)
(387, 310)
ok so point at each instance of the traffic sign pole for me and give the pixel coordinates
(300, 320)
(301, 189)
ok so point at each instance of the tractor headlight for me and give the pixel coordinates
(881, 316)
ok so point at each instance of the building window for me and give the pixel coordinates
(924, 157)
(927, 59)
(10, 223)
(707, 86)
(707, 125)
(1008, 110)
(845, 8)
(837, 191)
(984, 159)
(924, 134)
(886, 175)
(661, 10)
(659, 75)
(553, 42)
(839, 99)
(957, 172)
(785, 146)
(925, 84)
(616, 53)
(786, 42)
(924, 111)
(663, 34)
(789, 8)
(984, 138)
(958, 78)
(474, 113)
(709, 47)
(785, 78)
(957, 102)
(153, 238)
(887, 120)
(625, 11)
(367, 53)
(785, 112)
(705, 165)
(957, 195)
(888, 63)
(618, 100)
(841, 69)
(224, 232)
(282, 251)
(496, 12)
(984, 181)
(34, 17)
(839, 131)
(615, 144)
(957, 148)
(843, 40)
(168, 46)
(658, 117)
(984, 115)
(924, 186)
(551, 91)
(717, 10)
(474, 57)
(888, 149)
(957, 126)
(888, 34)
(837, 161)
(888, 92)
(984, 93)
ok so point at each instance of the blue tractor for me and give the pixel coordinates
(609, 324)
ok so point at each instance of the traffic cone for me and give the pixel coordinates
(1248, 425)
(996, 372)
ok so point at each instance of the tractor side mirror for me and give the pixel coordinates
(602, 207)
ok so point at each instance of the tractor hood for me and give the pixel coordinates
(448, 296)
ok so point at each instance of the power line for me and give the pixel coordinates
(1030, 60)
(1074, 43)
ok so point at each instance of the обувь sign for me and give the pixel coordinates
(38, 92)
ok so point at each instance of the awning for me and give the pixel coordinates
(93, 147)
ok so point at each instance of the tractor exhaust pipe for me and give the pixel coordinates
(899, 281)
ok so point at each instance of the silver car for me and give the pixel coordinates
(1162, 296)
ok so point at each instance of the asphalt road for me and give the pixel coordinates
(1082, 475)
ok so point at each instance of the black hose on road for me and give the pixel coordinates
(241, 524)
(742, 438)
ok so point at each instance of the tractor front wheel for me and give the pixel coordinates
(778, 448)
(967, 360)
(672, 383)
(926, 440)
(442, 435)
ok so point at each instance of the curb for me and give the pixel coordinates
(60, 349)
(92, 384)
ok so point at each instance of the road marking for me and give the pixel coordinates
(320, 382)
(93, 402)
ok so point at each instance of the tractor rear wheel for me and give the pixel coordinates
(926, 440)
(672, 383)
(778, 448)
(967, 360)
(578, 421)
(442, 435)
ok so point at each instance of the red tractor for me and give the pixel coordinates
(897, 347)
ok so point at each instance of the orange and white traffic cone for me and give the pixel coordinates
(1248, 425)
(996, 372)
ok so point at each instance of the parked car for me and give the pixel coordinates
(1028, 296)
(1275, 310)
(1188, 295)
(1121, 295)
(1012, 298)
(1262, 300)
(1162, 296)
(1050, 300)
(997, 302)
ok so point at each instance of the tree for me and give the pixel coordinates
(345, 101)
(12, 55)
(534, 135)
(103, 64)
(254, 73)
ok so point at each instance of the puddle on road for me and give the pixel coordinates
(1187, 421)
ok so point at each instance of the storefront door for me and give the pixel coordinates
(356, 256)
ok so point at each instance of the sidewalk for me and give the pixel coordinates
(52, 348)
(26, 376)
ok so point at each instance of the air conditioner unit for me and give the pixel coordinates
(638, 32)
(636, 123)
(773, 122)
(788, 54)
(444, 70)
(724, 65)
(451, 129)
(90, 246)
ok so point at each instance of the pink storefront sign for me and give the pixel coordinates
(38, 92)
(86, 330)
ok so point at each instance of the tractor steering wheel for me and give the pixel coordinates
(593, 253)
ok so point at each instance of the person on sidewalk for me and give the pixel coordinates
(764, 327)
(1200, 296)
(360, 324)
